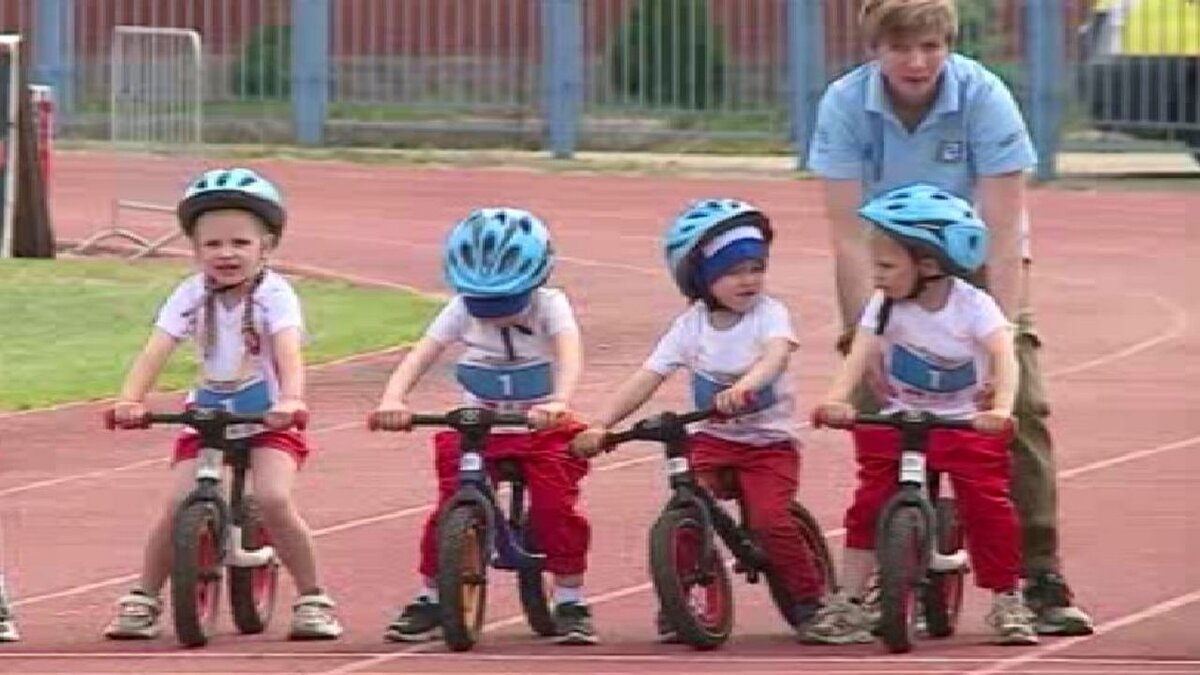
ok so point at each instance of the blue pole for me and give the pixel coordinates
(310, 69)
(562, 68)
(806, 70)
(49, 27)
(1045, 51)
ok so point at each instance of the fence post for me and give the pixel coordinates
(1045, 49)
(562, 70)
(49, 26)
(310, 69)
(806, 70)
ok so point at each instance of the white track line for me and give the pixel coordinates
(1005, 665)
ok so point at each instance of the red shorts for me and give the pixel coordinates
(187, 445)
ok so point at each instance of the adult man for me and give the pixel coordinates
(919, 112)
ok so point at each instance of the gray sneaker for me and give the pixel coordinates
(1011, 620)
(1052, 603)
(137, 617)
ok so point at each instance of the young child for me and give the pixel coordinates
(940, 341)
(248, 328)
(523, 354)
(736, 342)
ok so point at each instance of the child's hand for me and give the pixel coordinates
(834, 414)
(393, 417)
(994, 421)
(733, 400)
(283, 414)
(545, 415)
(589, 442)
(127, 414)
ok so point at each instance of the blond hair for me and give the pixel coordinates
(879, 19)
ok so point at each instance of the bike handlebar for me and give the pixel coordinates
(459, 418)
(913, 418)
(661, 427)
(195, 417)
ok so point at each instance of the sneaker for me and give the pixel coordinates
(313, 618)
(137, 617)
(8, 625)
(667, 634)
(841, 621)
(1052, 603)
(1011, 620)
(804, 612)
(420, 621)
(574, 622)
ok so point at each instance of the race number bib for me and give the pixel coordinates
(520, 383)
(705, 389)
(248, 399)
(915, 371)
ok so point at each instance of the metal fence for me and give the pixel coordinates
(725, 75)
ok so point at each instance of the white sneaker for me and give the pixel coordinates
(841, 621)
(313, 618)
(137, 617)
(8, 625)
(1011, 620)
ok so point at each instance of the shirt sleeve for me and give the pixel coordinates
(777, 322)
(450, 324)
(870, 315)
(282, 308)
(988, 316)
(836, 150)
(999, 138)
(670, 353)
(178, 315)
(558, 315)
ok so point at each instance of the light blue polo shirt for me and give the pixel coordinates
(973, 129)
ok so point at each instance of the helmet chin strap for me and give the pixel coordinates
(885, 309)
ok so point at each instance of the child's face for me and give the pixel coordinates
(230, 245)
(911, 64)
(738, 288)
(895, 271)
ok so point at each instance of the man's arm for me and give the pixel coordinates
(851, 255)
(1002, 203)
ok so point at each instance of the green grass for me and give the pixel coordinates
(70, 328)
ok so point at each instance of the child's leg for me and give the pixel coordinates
(138, 611)
(272, 477)
(979, 468)
(552, 476)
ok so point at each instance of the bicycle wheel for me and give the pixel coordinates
(696, 595)
(903, 543)
(943, 595)
(196, 572)
(462, 575)
(252, 590)
(818, 550)
(531, 586)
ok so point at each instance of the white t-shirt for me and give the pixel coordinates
(276, 307)
(717, 358)
(510, 368)
(937, 361)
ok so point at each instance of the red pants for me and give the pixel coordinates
(979, 468)
(294, 443)
(552, 476)
(768, 477)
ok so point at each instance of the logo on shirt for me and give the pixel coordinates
(951, 152)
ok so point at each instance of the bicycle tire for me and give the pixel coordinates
(463, 554)
(703, 622)
(531, 587)
(253, 590)
(943, 594)
(196, 572)
(902, 547)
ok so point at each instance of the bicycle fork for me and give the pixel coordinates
(234, 553)
(914, 477)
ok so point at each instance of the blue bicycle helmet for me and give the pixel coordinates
(233, 188)
(699, 223)
(931, 219)
(497, 252)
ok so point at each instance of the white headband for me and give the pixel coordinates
(725, 238)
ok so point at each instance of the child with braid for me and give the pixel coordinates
(248, 328)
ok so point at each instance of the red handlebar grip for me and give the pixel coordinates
(373, 421)
(110, 419)
(300, 419)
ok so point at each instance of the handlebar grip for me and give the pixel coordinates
(300, 420)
